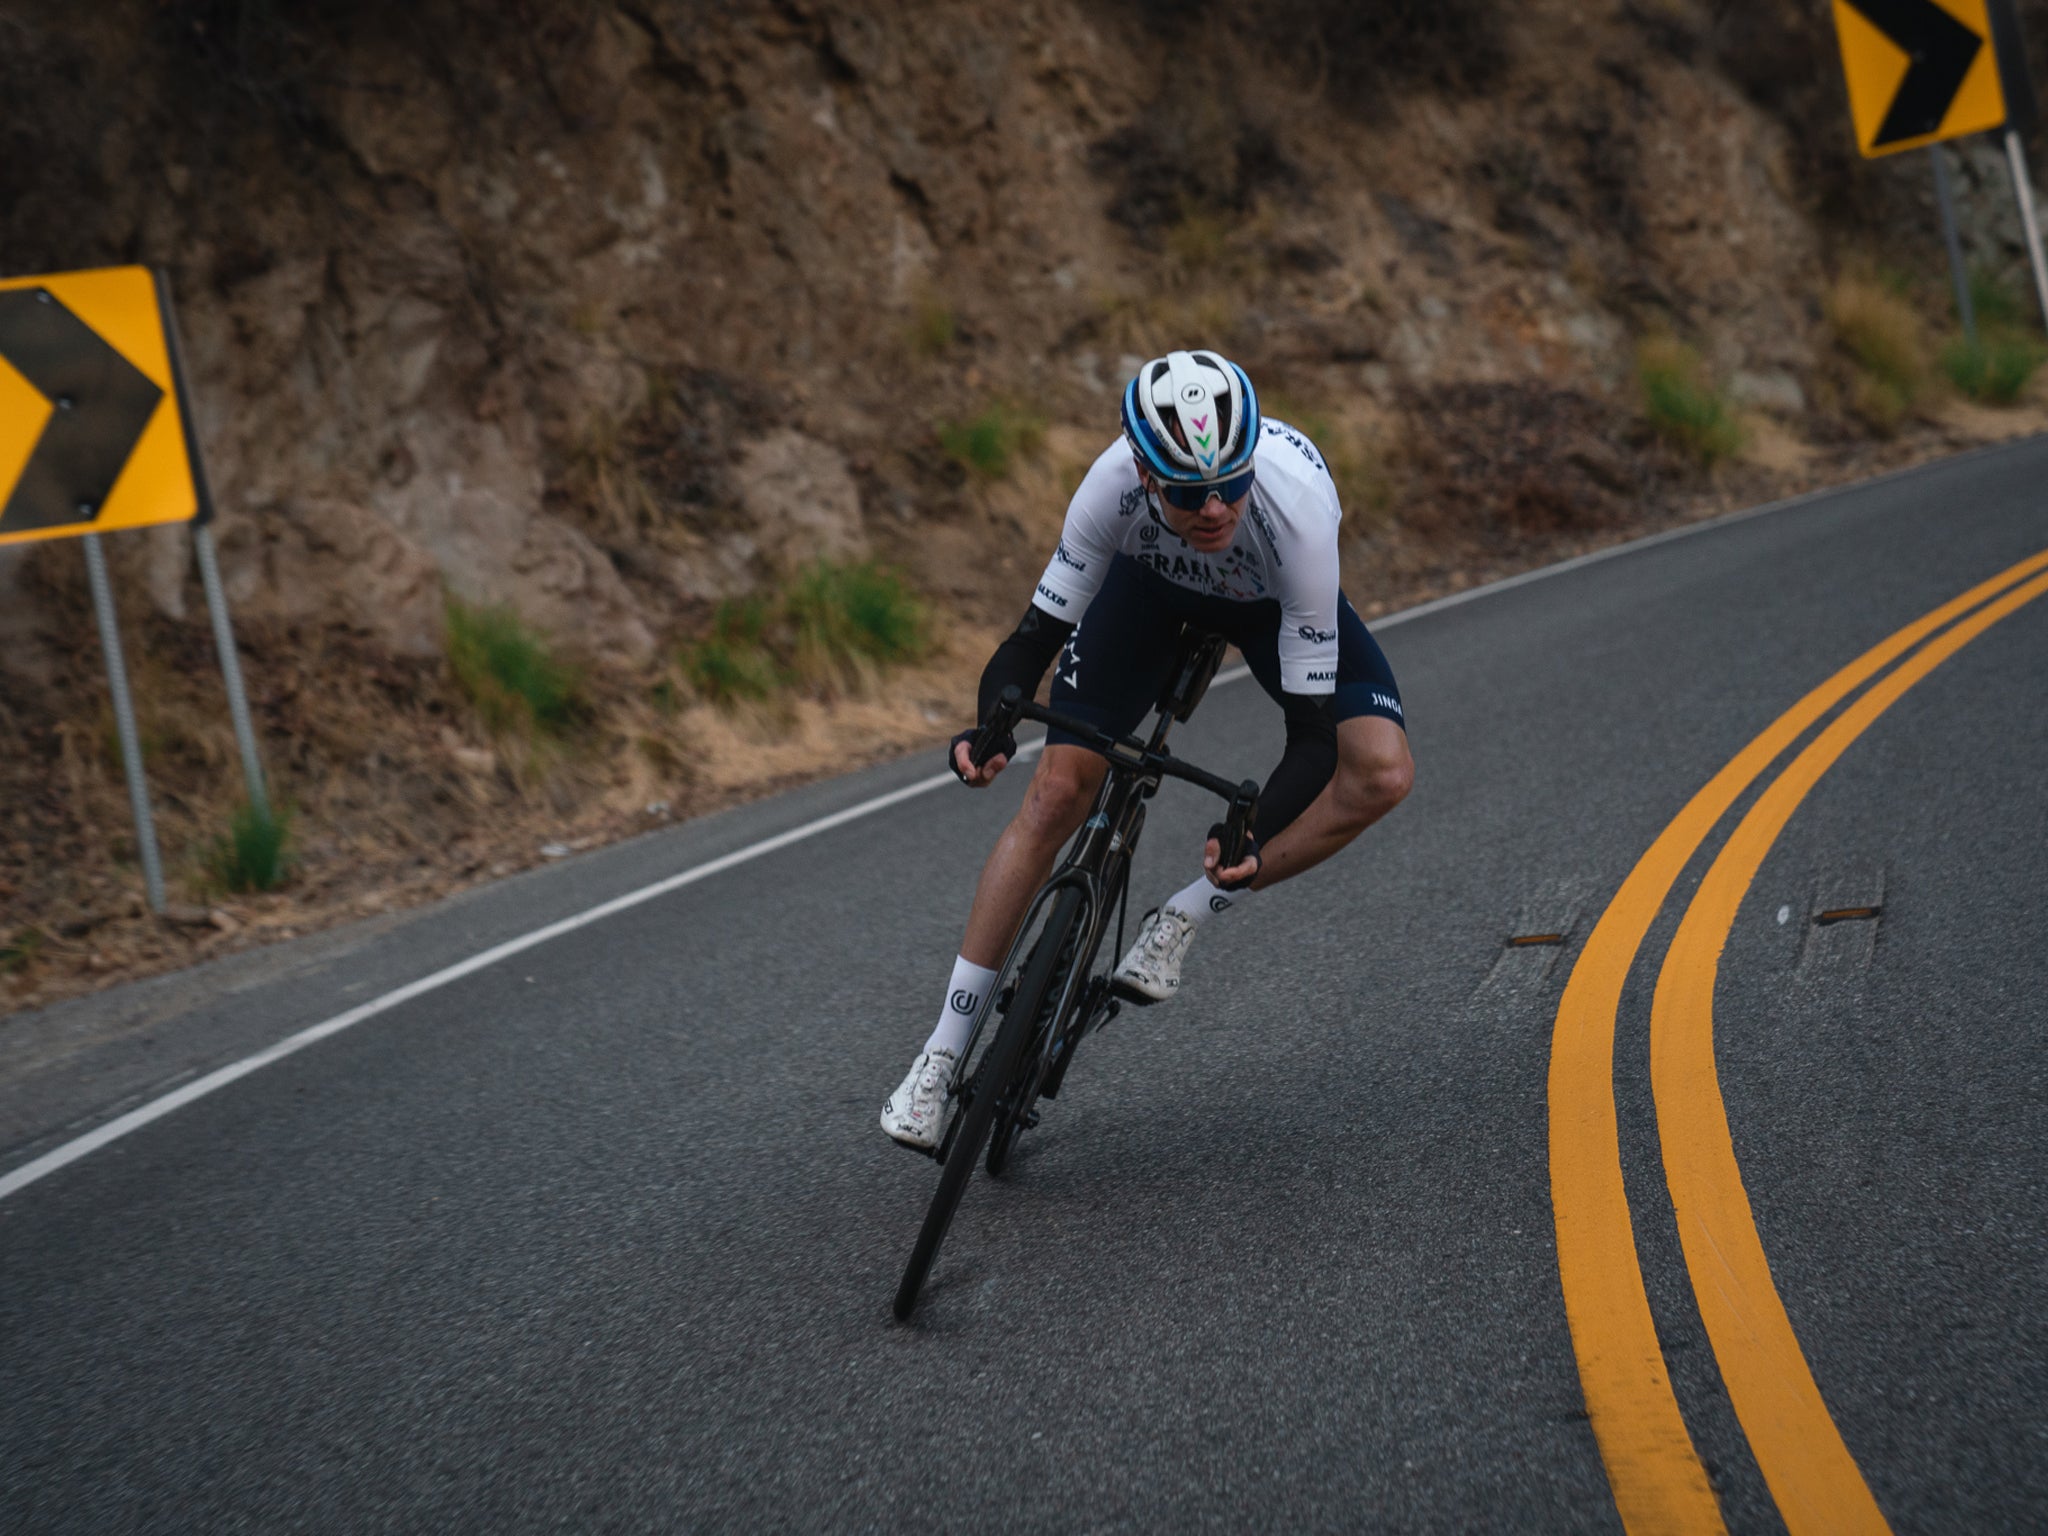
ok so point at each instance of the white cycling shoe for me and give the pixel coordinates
(916, 1112)
(1151, 971)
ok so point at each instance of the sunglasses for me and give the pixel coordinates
(1192, 498)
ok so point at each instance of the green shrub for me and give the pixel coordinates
(508, 672)
(1682, 404)
(733, 661)
(1993, 369)
(827, 624)
(256, 853)
(986, 445)
(1999, 305)
(842, 612)
(20, 952)
(933, 328)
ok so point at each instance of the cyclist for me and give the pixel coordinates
(1206, 512)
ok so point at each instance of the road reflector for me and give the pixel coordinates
(92, 431)
(1845, 915)
(1524, 939)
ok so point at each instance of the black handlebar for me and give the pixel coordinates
(1011, 707)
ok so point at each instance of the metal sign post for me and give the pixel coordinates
(124, 721)
(209, 567)
(230, 667)
(1964, 308)
(2023, 189)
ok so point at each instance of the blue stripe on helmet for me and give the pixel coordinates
(1142, 438)
(1145, 441)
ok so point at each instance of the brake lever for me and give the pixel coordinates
(1244, 805)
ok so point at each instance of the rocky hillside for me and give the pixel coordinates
(608, 310)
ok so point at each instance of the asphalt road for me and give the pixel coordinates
(604, 1236)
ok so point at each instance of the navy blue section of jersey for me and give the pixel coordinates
(1114, 665)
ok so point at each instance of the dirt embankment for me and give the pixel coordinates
(609, 312)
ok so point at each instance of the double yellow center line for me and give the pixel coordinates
(1658, 1481)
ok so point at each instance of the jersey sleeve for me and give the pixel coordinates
(1089, 539)
(1308, 597)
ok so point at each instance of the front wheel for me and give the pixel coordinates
(1037, 998)
(993, 1080)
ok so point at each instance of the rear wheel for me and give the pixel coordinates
(998, 1068)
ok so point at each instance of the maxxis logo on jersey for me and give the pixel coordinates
(1051, 596)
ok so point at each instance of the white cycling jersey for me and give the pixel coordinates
(1285, 549)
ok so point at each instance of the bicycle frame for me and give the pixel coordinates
(1107, 836)
(1024, 1060)
(1097, 862)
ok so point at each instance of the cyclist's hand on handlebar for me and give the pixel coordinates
(1238, 875)
(964, 769)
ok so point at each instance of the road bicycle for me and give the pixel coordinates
(1049, 994)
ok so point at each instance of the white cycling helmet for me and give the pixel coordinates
(1192, 418)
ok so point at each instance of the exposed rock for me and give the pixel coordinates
(469, 493)
(1771, 390)
(800, 497)
(566, 584)
(322, 558)
(22, 651)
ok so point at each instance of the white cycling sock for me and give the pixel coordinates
(964, 993)
(1202, 900)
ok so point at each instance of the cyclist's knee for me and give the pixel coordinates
(1061, 791)
(1374, 772)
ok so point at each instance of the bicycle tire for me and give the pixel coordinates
(1061, 937)
(998, 1064)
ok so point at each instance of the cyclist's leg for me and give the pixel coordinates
(1108, 674)
(1062, 788)
(1374, 770)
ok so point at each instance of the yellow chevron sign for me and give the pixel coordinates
(1919, 71)
(92, 435)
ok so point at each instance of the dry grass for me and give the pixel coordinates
(1886, 342)
(602, 473)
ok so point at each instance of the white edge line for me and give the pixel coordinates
(71, 1151)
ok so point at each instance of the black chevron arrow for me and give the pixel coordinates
(102, 403)
(1942, 50)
